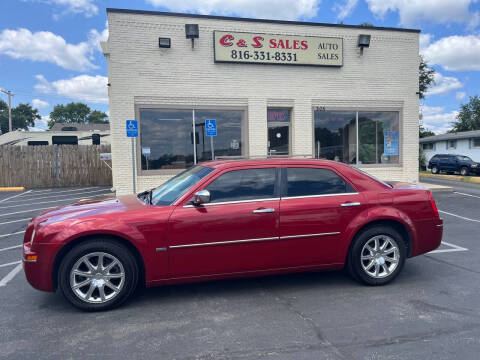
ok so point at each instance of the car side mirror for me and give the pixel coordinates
(201, 197)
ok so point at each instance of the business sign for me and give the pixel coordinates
(210, 127)
(390, 142)
(277, 49)
(132, 128)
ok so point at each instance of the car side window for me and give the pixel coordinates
(248, 184)
(315, 181)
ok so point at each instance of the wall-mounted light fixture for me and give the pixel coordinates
(363, 42)
(191, 32)
(164, 42)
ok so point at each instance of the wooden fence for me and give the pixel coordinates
(54, 166)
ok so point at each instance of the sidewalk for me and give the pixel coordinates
(435, 187)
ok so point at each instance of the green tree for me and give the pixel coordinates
(23, 116)
(426, 77)
(97, 117)
(425, 132)
(469, 116)
(76, 113)
(367, 24)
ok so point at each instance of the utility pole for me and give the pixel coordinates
(9, 93)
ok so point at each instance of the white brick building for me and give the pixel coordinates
(260, 109)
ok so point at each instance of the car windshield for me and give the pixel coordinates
(177, 186)
(464, 158)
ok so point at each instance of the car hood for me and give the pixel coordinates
(93, 207)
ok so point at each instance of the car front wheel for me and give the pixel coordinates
(434, 170)
(98, 275)
(464, 171)
(377, 256)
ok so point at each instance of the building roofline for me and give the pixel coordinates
(451, 136)
(233, 18)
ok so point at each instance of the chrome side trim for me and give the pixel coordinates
(348, 204)
(234, 202)
(223, 242)
(315, 196)
(251, 240)
(439, 225)
(308, 235)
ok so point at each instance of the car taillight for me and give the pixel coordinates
(432, 202)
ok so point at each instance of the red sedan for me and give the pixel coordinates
(227, 219)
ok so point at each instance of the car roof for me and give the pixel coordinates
(223, 164)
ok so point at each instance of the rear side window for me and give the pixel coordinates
(240, 185)
(311, 181)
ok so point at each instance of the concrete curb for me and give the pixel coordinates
(12, 188)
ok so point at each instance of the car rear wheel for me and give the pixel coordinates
(434, 170)
(464, 171)
(377, 255)
(98, 275)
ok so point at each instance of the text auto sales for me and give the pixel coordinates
(228, 40)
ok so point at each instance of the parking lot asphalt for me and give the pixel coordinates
(430, 311)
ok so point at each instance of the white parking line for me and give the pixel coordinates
(14, 196)
(26, 211)
(454, 248)
(10, 275)
(10, 263)
(15, 233)
(14, 221)
(48, 202)
(64, 191)
(11, 248)
(458, 216)
(464, 194)
(30, 199)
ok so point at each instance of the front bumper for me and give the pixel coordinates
(38, 272)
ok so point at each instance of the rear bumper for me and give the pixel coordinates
(429, 236)
(39, 272)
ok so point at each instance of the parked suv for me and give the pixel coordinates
(453, 163)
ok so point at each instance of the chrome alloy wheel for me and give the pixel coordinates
(380, 256)
(97, 277)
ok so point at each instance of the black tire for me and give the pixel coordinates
(354, 262)
(464, 171)
(434, 169)
(110, 248)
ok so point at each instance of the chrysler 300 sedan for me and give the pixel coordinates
(227, 219)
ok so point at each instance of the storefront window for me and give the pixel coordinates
(228, 141)
(167, 137)
(335, 136)
(378, 136)
(378, 140)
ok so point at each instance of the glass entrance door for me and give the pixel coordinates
(278, 121)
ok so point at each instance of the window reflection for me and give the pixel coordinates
(335, 136)
(378, 137)
(168, 133)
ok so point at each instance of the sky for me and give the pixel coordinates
(50, 49)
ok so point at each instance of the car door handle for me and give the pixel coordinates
(262, 211)
(347, 204)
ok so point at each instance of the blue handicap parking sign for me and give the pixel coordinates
(132, 128)
(211, 127)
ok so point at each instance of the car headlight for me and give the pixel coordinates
(474, 165)
(33, 236)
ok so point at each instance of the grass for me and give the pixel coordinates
(468, 179)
